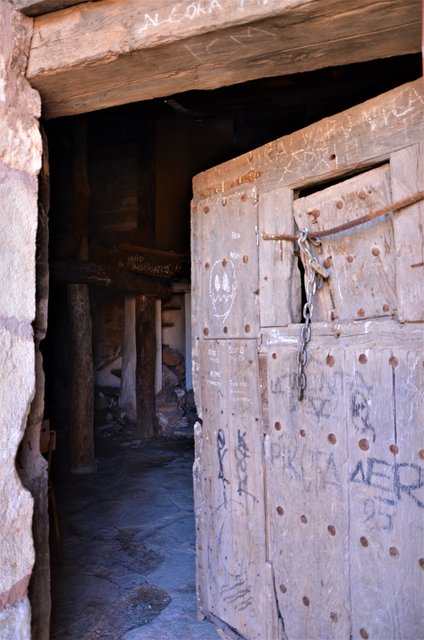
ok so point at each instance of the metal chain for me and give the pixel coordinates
(314, 273)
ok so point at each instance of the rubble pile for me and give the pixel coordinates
(175, 409)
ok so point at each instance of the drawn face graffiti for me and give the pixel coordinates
(222, 287)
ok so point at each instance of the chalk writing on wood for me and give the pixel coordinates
(219, 44)
(222, 287)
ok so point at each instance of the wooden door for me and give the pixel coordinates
(310, 514)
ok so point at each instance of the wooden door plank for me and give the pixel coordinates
(238, 588)
(407, 175)
(307, 458)
(228, 278)
(361, 261)
(386, 493)
(279, 277)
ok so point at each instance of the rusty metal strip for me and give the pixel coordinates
(371, 215)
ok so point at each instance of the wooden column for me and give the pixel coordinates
(82, 385)
(145, 305)
(145, 369)
(31, 465)
(127, 397)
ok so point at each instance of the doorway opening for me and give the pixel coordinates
(120, 287)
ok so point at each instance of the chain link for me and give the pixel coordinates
(313, 275)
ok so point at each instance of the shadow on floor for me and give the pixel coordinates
(127, 568)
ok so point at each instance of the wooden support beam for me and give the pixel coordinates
(127, 396)
(145, 368)
(98, 275)
(146, 306)
(39, 7)
(101, 54)
(162, 264)
(82, 380)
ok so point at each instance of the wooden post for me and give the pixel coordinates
(82, 384)
(145, 369)
(127, 397)
(145, 305)
(158, 365)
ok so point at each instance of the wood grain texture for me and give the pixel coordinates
(343, 469)
(361, 261)
(333, 147)
(238, 586)
(407, 177)
(279, 277)
(112, 52)
(39, 7)
(345, 482)
(227, 277)
(386, 491)
(307, 498)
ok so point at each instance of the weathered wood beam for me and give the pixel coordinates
(38, 7)
(82, 379)
(162, 264)
(112, 52)
(325, 150)
(145, 366)
(90, 273)
(145, 307)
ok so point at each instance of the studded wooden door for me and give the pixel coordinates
(310, 514)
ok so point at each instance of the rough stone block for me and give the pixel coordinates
(16, 391)
(18, 224)
(20, 106)
(15, 621)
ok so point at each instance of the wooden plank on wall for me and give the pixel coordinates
(361, 261)
(407, 176)
(306, 461)
(348, 458)
(238, 587)
(227, 277)
(279, 277)
(332, 147)
(386, 493)
(101, 54)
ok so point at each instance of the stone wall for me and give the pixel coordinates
(20, 156)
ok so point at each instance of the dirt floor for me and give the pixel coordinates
(126, 571)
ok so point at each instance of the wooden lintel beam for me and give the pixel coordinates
(85, 272)
(101, 54)
(39, 7)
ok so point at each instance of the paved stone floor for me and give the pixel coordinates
(127, 567)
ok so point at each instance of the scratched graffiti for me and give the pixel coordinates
(389, 484)
(315, 470)
(323, 396)
(242, 454)
(239, 594)
(192, 11)
(234, 567)
(221, 451)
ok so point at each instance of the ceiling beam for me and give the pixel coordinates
(102, 54)
(39, 7)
